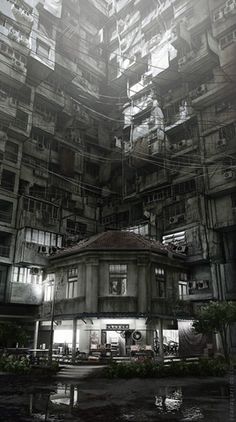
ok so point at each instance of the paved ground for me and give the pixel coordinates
(98, 400)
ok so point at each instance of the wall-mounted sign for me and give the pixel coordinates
(117, 327)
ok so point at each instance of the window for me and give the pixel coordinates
(21, 120)
(49, 288)
(118, 279)
(160, 281)
(183, 286)
(41, 237)
(73, 283)
(8, 180)
(27, 275)
(42, 49)
(6, 209)
(11, 151)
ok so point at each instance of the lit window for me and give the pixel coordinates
(49, 288)
(118, 280)
(160, 281)
(183, 290)
(27, 275)
(73, 283)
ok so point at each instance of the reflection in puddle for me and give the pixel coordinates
(168, 401)
(88, 401)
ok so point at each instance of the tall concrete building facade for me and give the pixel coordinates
(117, 115)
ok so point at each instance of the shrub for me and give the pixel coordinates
(203, 367)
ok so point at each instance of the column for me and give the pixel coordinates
(142, 285)
(36, 334)
(74, 334)
(91, 288)
(160, 329)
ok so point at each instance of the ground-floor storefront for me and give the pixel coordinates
(115, 336)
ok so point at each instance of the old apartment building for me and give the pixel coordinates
(117, 114)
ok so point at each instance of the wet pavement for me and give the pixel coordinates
(136, 400)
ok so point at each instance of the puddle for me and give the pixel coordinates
(119, 400)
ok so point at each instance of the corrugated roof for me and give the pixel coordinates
(114, 240)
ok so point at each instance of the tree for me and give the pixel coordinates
(11, 334)
(217, 317)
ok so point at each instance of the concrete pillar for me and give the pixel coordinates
(36, 334)
(74, 334)
(160, 329)
(142, 286)
(91, 288)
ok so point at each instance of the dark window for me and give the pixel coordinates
(6, 209)
(160, 281)
(8, 180)
(11, 151)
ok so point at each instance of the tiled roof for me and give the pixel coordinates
(114, 240)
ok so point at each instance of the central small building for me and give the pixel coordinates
(115, 289)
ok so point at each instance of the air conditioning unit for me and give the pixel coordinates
(40, 147)
(44, 250)
(202, 89)
(230, 7)
(17, 64)
(34, 271)
(181, 249)
(52, 250)
(228, 174)
(13, 34)
(173, 220)
(218, 16)
(221, 143)
(202, 284)
(182, 143)
(41, 173)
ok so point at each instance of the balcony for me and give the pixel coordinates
(201, 60)
(29, 253)
(23, 16)
(226, 221)
(82, 84)
(38, 220)
(184, 114)
(65, 67)
(221, 180)
(223, 17)
(72, 187)
(180, 36)
(26, 293)
(213, 89)
(45, 122)
(53, 94)
(182, 147)
(180, 8)
(41, 60)
(8, 106)
(13, 66)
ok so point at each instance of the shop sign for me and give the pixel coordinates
(117, 327)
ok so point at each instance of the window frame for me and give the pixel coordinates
(160, 281)
(118, 277)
